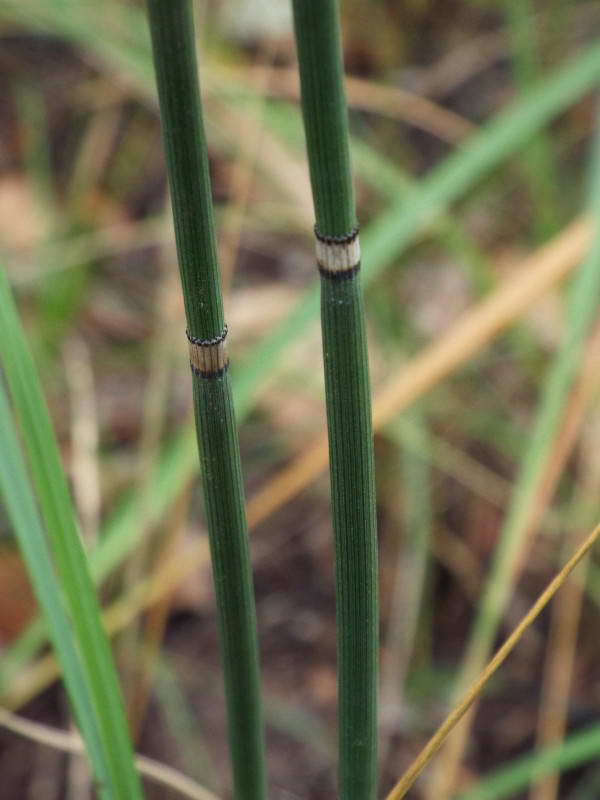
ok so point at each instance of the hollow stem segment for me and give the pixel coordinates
(347, 392)
(172, 28)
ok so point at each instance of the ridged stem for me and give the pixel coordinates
(347, 395)
(172, 28)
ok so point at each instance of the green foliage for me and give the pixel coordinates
(576, 750)
(100, 709)
(415, 210)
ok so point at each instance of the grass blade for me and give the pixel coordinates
(23, 513)
(69, 556)
(576, 750)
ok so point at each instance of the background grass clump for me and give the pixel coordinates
(472, 128)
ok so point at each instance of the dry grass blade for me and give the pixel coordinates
(165, 318)
(365, 95)
(574, 417)
(564, 624)
(561, 449)
(84, 472)
(248, 146)
(165, 776)
(557, 676)
(436, 741)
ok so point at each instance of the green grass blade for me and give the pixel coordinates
(576, 750)
(69, 557)
(119, 36)
(22, 511)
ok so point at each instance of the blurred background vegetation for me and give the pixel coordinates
(473, 123)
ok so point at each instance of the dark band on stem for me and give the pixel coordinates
(208, 357)
(341, 275)
(347, 239)
(338, 257)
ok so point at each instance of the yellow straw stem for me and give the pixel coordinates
(454, 717)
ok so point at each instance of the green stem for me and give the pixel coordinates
(172, 28)
(348, 397)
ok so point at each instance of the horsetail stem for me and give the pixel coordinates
(172, 29)
(347, 392)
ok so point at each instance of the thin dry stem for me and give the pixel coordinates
(366, 95)
(67, 742)
(564, 442)
(436, 741)
(85, 473)
(166, 310)
(564, 624)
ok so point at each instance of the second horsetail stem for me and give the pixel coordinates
(347, 392)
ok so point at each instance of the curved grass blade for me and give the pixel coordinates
(69, 556)
(576, 750)
(23, 513)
